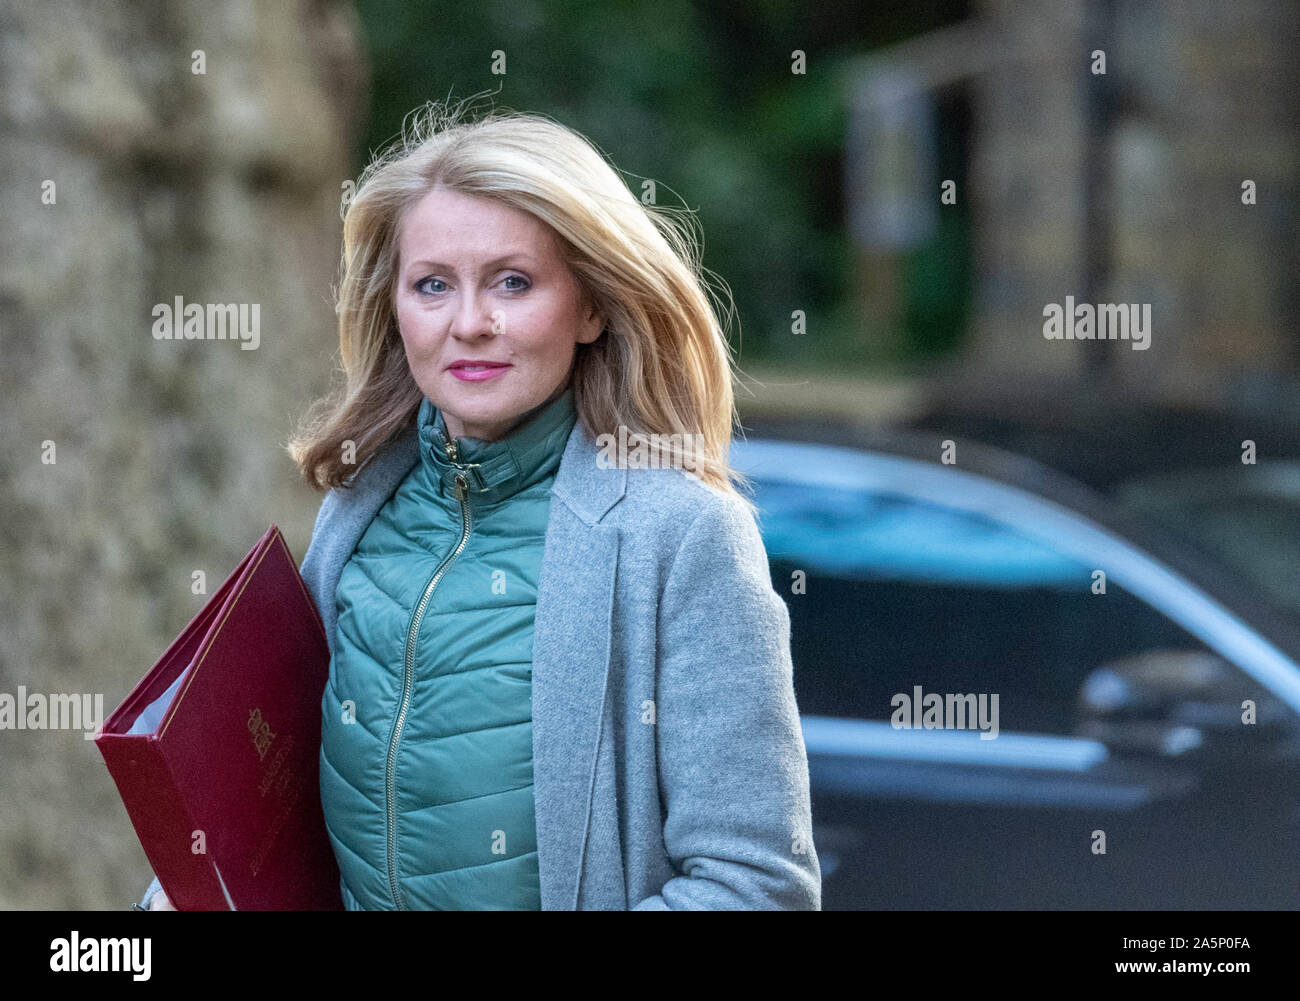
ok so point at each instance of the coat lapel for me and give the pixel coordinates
(346, 514)
(571, 646)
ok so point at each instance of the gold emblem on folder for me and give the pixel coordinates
(261, 731)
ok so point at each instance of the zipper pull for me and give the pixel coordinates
(462, 487)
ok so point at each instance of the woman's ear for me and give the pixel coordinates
(591, 332)
(593, 323)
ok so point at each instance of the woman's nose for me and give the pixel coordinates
(472, 318)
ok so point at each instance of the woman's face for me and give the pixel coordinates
(490, 314)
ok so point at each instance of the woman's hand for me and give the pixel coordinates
(161, 902)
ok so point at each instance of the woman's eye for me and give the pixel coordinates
(425, 285)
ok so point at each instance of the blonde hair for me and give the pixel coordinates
(662, 364)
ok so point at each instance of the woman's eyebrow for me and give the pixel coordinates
(495, 262)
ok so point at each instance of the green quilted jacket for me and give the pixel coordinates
(426, 768)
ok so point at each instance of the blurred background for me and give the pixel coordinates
(893, 192)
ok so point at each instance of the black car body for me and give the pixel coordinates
(1148, 744)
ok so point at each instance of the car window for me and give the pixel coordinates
(900, 592)
(1255, 533)
(886, 536)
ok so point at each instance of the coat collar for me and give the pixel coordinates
(571, 632)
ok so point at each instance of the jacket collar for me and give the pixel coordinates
(496, 470)
(585, 488)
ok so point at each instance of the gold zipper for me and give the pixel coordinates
(408, 676)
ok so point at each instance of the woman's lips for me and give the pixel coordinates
(477, 373)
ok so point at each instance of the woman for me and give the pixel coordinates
(560, 676)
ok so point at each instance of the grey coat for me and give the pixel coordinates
(669, 766)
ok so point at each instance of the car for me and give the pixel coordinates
(1143, 691)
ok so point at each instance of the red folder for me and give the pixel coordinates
(220, 775)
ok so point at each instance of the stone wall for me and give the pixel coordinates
(217, 187)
